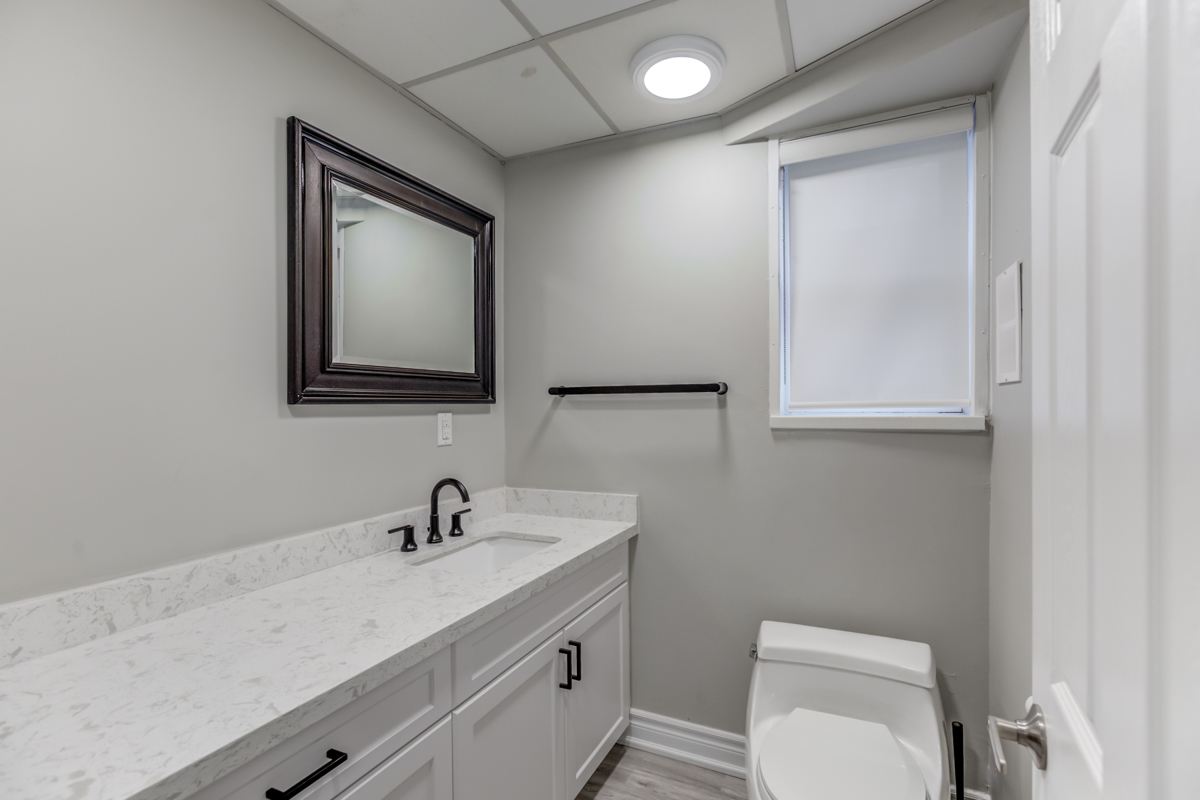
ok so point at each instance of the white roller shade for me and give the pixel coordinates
(956, 119)
(879, 280)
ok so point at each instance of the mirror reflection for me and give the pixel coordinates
(404, 287)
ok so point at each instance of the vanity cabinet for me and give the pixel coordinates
(368, 730)
(539, 731)
(508, 737)
(596, 709)
(480, 656)
(488, 718)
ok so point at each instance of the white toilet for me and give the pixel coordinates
(844, 716)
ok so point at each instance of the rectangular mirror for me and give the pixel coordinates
(404, 287)
(391, 282)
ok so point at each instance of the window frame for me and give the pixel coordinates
(915, 120)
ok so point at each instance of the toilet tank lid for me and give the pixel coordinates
(897, 659)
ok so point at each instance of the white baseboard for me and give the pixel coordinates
(687, 742)
(702, 746)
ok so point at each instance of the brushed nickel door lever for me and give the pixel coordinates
(1030, 732)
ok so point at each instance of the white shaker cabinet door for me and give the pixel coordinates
(508, 737)
(421, 771)
(597, 706)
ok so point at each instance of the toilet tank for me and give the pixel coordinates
(872, 678)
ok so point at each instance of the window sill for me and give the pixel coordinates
(927, 423)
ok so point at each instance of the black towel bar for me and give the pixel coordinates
(658, 388)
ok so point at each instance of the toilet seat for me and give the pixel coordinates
(810, 755)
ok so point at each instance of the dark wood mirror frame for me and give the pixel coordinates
(315, 160)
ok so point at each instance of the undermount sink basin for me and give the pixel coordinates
(488, 554)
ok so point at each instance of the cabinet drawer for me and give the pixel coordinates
(421, 771)
(368, 730)
(483, 654)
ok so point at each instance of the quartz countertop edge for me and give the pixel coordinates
(165, 709)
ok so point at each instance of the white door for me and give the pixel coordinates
(1175, 248)
(597, 705)
(508, 737)
(1092, 397)
(420, 771)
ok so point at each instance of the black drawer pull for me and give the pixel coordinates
(336, 758)
(578, 660)
(568, 654)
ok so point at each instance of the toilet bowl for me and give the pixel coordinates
(842, 715)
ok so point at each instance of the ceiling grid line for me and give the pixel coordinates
(475, 62)
(516, 91)
(558, 62)
(398, 88)
(539, 40)
(521, 18)
(785, 35)
(617, 136)
(442, 118)
(866, 37)
(802, 70)
(841, 51)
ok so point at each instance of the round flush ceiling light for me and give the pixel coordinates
(678, 68)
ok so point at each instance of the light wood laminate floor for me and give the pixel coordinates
(628, 774)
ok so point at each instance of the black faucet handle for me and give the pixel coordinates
(410, 543)
(456, 522)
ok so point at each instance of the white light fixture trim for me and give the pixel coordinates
(678, 69)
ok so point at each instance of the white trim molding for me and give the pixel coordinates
(883, 422)
(856, 136)
(1081, 729)
(688, 742)
(951, 115)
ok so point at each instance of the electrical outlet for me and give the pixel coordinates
(445, 430)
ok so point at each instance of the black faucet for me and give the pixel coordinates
(435, 535)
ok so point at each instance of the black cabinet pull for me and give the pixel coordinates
(566, 685)
(578, 660)
(336, 758)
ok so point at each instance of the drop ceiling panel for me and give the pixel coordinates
(515, 104)
(549, 16)
(821, 26)
(405, 39)
(747, 31)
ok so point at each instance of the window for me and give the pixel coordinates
(879, 300)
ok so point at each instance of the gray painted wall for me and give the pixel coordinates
(646, 261)
(143, 419)
(1010, 553)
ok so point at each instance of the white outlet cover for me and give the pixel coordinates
(445, 430)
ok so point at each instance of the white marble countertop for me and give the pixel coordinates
(165, 708)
